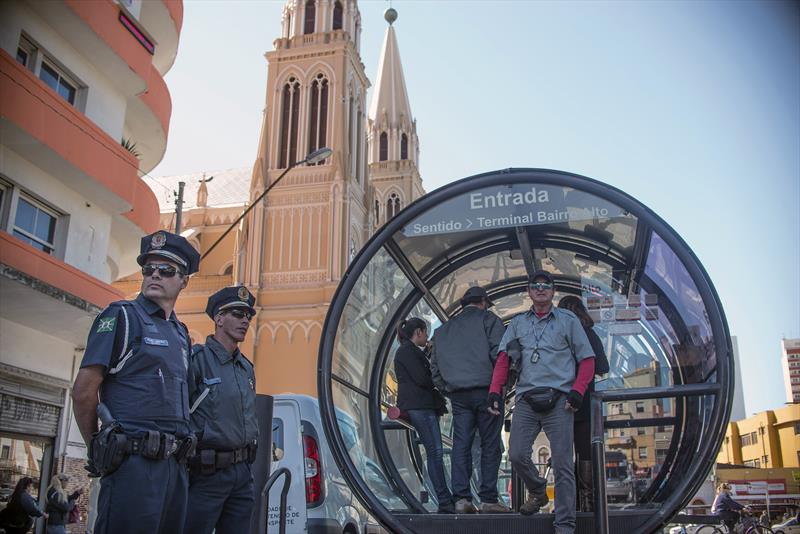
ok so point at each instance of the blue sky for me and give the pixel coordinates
(691, 107)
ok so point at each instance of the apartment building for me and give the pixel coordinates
(84, 112)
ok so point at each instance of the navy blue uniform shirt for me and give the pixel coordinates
(145, 388)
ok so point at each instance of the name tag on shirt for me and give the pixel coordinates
(212, 381)
(157, 342)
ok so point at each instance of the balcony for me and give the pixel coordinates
(59, 299)
(39, 125)
(163, 20)
(94, 30)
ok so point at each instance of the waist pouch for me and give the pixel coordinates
(541, 399)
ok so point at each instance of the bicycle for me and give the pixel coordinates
(747, 524)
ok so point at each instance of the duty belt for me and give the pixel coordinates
(160, 446)
(209, 461)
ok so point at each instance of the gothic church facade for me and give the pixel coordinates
(294, 246)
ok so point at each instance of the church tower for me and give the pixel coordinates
(393, 146)
(296, 244)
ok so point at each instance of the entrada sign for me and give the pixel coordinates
(509, 206)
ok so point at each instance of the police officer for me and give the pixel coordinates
(223, 396)
(136, 358)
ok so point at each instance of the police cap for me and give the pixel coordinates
(172, 247)
(228, 298)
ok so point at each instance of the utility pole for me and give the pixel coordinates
(179, 207)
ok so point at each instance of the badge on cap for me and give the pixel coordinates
(243, 294)
(159, 240)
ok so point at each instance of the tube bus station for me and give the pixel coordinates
(659, 415)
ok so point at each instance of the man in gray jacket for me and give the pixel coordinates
(464, 353)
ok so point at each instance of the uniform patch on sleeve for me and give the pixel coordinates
(106, 324)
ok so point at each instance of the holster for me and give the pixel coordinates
(108, 449)
(252, 449)
(186, 449)
(541, 399)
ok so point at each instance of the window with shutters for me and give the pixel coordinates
(337, 15)
(383, 147)
(310, 17)
(392, 206)
(318, 113)
(290, 107)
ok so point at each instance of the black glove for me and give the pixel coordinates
(575, 399)
(496, 403)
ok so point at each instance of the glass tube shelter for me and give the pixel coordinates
(653, 304)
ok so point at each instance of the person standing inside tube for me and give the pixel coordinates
(464, 353)
(582, 426)
(222, 390)
(419, 398)
(556, 365)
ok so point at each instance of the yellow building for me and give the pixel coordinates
(768, 439)
(293, 248)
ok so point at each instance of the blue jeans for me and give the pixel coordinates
(470, 415)
(558, 426)
(426, 423)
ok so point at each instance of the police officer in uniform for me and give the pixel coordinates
(223, 396)
(136, 360)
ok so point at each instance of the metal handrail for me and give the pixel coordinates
(262, 513)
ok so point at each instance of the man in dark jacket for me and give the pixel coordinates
(464, 353)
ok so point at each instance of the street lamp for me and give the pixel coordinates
(312, 159)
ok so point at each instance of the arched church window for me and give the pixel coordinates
(404, 147)
(383, 147)
(337, 15)
(290, 106)
(310, 17)
(392, 206)
(377, 211)
(228, 270)
(318, 116)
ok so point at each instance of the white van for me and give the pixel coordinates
(319, 499)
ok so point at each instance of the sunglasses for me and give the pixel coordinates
(164, 271)
(540, 286)
(241, 314)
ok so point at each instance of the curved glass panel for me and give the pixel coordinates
(649, 312)
(352, 421)
(485, 271)
(365, 319)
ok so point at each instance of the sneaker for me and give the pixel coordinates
(534, 502)
(494, 508)
(465, 506)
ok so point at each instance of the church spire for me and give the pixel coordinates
(393, 151)
(392, 127)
